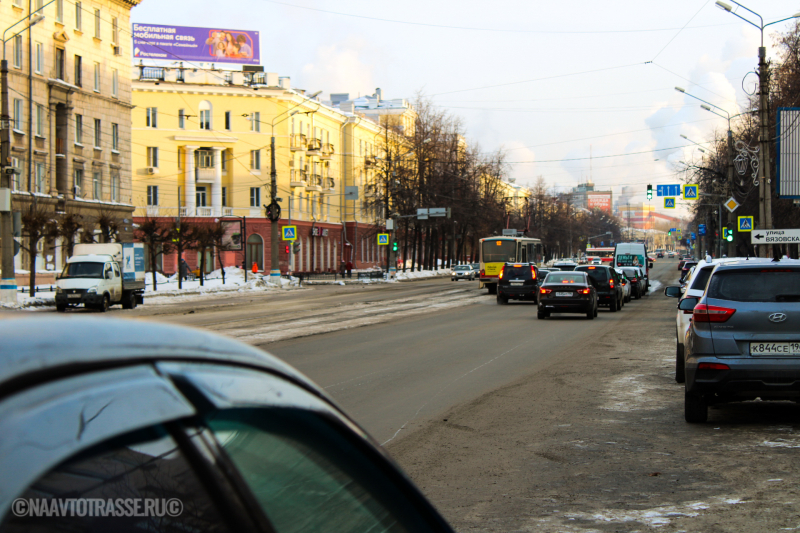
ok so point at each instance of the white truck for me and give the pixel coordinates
(99, 275)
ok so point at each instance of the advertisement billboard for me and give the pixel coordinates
(599, 201)
(232, 238)
(186, 43)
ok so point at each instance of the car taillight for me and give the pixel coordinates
(611, 283)
(711, 313)
(712, 366)
(533, 272)
(483, 273)
(502, 270)
(545, 291)
(583, 291)
(634, 280)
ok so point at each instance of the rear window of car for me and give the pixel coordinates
(701, 279)
(564, 268)
(756, 285)
(558, 277)
(518, 272)
(630, 273)
(597, 274)
(689, 264)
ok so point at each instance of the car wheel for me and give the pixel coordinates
(61, 308)
(620, 303)
(614, 305)
(501, 300)
(492, 288)
(103, 307)
(680, 363)
(695, 408)
(540, 315)
(590, 314)
(595, 309)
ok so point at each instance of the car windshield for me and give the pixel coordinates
(517, 271)
(499, 251)
(462, 267)
(756, 285)
(83, 270)
(558, 277)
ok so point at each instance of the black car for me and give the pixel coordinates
(517, 281)
(543, 272)
(567, 292)
(607, 283)
(637, 282)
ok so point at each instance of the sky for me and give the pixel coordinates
(550, 83)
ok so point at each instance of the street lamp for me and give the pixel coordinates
(765, 189)
(8, 282)
(699, 146)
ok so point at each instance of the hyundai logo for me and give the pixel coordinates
(777, 317)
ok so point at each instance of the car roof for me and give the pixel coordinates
(742, 264)
(38, 349)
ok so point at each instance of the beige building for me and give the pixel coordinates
(70, 105)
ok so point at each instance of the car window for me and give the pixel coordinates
(701, 279)
(631, 273)
(597, 274)
(565, 278)
(756, 285)
(518, 272)
(463, 268)
(145, 468)
(308, 477)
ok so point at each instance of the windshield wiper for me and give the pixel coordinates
(787, 298)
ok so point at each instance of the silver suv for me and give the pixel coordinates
(744, 339)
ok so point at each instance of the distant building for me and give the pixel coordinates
(586, 197)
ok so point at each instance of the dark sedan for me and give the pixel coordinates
(567, 292)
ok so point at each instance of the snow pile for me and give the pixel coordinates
(423, 274)
(40, 299)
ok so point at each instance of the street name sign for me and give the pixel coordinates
(383, 239)
(669, 203)
(422, 213)
(745, 223)
(668, 190)
(731, 204)
(775, 236)
(289, 233)
(690, 192)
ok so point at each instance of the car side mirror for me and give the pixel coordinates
(673, 291)
(649, 265)
(687, 304)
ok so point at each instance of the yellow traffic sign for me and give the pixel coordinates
(745, 223)
(669, 203)
(289, 233)
(383, 239)
(690, 192)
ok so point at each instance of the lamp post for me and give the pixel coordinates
(765, 184)
(8, 282)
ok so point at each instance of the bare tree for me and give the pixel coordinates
(156, 236)
(182, 237)
(36, 225)
(68, 226)
(109, 223)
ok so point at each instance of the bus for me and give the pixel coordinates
(606, 255)
(497, 251)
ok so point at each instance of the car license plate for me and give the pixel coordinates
(73, 295)
(562, 294)
(775, 348)
(517, 282)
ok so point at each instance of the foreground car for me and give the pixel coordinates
(462, 272)
(517, 281)
(567, 292)
(744, 338)
(224, 436)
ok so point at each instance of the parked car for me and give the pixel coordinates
(567, 292)
(607, 283)
(463, 272)
(517, 281)
(744, 339)
(236, 440)
(636, 277)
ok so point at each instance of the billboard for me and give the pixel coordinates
(788, 146)
(232, 238)
(186, 43)
(600, 201)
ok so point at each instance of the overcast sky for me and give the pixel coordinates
(545, 81)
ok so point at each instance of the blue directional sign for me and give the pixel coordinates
(668, 190)
(745, 223)
(669, 203)
(289, 233)
(701, 229)
(383, 239)
(690, 192)
(694, 237)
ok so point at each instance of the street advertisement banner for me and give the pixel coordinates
(232, 237)
(187, 43)
(599, 201)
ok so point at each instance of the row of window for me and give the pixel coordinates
(98, 133)
(60, 17)
(40, 184)
(205, 118)
(40, 124)
(202, 159)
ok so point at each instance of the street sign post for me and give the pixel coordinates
(775, 236)
(668, 190)
(701, 229)
(289, 233)
(745, 223)
(383, 239)
(669, 203)
(690, 192)
(731, 204)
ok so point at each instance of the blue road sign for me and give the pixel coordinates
(701, 229)
(289, 233)
(745, 223)
(383, 239)
(690, 192)
(668, 190)
(669, 202)
(694, 236)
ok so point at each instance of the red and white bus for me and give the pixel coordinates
(606, 255)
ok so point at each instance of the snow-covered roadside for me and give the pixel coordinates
(40, 299)
(402, 276)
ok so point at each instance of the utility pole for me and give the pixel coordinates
(8, 283)
(274, 217)
(731, 224)
(765, 183)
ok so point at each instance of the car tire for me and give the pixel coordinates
(595, 310)
(103, 307)
(620, 303)
(590, 314)
(492, 288)
(680, 363)
(614, 305)
(61, 308)
(501, 300)
(540, 315)
(695, 408)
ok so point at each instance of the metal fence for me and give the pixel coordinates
(337, 276)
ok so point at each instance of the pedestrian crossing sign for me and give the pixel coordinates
(289, 233)
(690, 192)
(383, 239)
(669, 203)
(745, 223)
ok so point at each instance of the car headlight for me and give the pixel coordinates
(93, 290)
(59, 290)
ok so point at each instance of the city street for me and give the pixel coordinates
(509, 423)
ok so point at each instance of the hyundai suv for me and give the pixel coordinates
(517, 281)
(744, 340)
(608, 284)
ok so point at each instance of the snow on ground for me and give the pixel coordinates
(423, 274)
(40, 299)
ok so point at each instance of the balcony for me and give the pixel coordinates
(370, 161)
(297, 142)
(314, 146)
(227, 211)
(298, 178)
(152, 211)
(152, 74)
(205, 175)
(331, 183)
(327, 151)
(315, 183)
(204, 211)
(256, 212)
(186, 212)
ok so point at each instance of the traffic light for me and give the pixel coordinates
(286, 249)
(727, 234)
(669, 232)
(296, 247)
(394, 246)
(649, 192)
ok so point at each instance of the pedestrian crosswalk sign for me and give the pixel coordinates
(669, 203)
(690, 192)
(745, 223)
(289, 233)
(383, 239)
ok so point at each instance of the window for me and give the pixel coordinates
(97, 131)
(205, 119)
(152, 156)
(60, 11)
(39, 54)
(78, 70)
(152, 117)
(228, 120)
(15, 178)
(18, 114)
(255, 197)
(79, 129)
(18, 51)
(255, 159)
(115, 186)
(224, 159)
(115, 137)
(115, 31)
(224, 197)
(78, 16)
(97, 184)
(40, 177)
(152, 195)
(78, 177)
(181, 153)
(114, 83)
(200, 196)
(40, 120)
(96, 77)
(96, 23)
(255, 123)
(204, 159)
(181, 119)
